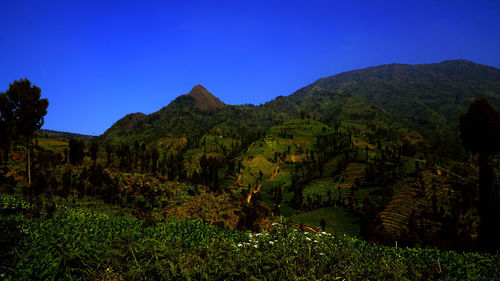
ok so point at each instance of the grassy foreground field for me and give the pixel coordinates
(71, 243)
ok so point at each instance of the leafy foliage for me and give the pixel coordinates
(92, 245)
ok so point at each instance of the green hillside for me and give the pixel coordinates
(423, 97)
(398, 99)
(358, 176)
(369, 133)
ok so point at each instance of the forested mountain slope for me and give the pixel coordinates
(424, 98)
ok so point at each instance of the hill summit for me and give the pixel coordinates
(423, 98)
(127, 123)
(203, 99)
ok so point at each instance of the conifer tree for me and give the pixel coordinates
(6, 125)
(22, 113)
(76, 151)
(480, 132)
(94, 148)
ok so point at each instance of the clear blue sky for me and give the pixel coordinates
(99, 60)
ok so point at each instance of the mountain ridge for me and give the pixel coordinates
(422, 97)
(429, 95)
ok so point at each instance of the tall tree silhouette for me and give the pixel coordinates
(480, 132)
(27, 109)
(109, 152)
(76, 151)
(6, 125)
(94, 148)
(155, 155)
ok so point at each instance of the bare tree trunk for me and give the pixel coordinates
(28, 169)
(6, 149)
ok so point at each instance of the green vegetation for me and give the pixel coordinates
(320, 188)
(338, 220)
(203, 190)
(74, 243)
(56, 145)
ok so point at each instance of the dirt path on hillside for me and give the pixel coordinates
(276, 171)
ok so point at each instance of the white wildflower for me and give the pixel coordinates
(308, 239)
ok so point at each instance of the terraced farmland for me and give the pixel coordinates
(415, 199)
(355, 172)
(404, 202)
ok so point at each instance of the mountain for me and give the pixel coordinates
(188, 116)
(58, 134)
(422, 98)
(203, 99)
(128, 122)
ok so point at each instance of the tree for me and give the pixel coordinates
(372, 228)
(204, 169)
(215, 165)
(27, 109)
(76, 151)
(136, 153)
(6, 125)
(123, 152)
(94, 148)
(66, 183)
(40, 184)
(278, 194)
(37, 187)
(297, 188)
(66, 156)
(109, 152)
(480, 132)
(155, 155)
